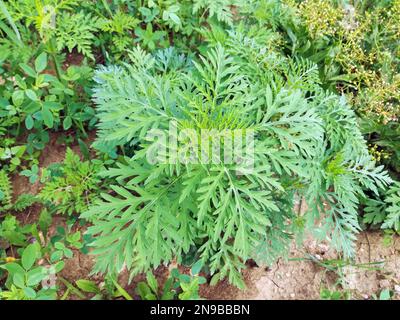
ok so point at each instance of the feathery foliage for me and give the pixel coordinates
(77, 31)
(75, 188)
(5, 191)
(159, 211)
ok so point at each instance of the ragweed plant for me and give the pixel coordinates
(385, 209)
(76, 31)
(75, 188)
(240, 109)
(304, 141)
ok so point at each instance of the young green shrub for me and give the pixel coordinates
(75, 188)
(77, 31)
(305, 141)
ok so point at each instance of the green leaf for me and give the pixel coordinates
(13, 268)
(10, 20)
(56, 255)
(68, 253)
(151, 296)
(385, 295)
(59, 266)
(67, 123)
(152, 282)
(45, 220)
(18, 280)
(202, 280)
(73, 289)
(84, 149)
(34, 276)
(28, 70)
(29, 256)
(121, 290)
(41, 62)
(184, 278)
(196, 268)
(143, 290)
(59, 246)
(30, 293)
(31, 94)
(87, 286)
(47, 117)
(18, 98)
(174, 18)
(29, 122)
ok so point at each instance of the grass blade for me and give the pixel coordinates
(10, 20)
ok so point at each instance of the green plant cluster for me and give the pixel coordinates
(315, 83)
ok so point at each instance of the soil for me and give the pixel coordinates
(309, 268)
(73, 58)
(302, 276)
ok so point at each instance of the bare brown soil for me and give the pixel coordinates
(73, 58)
